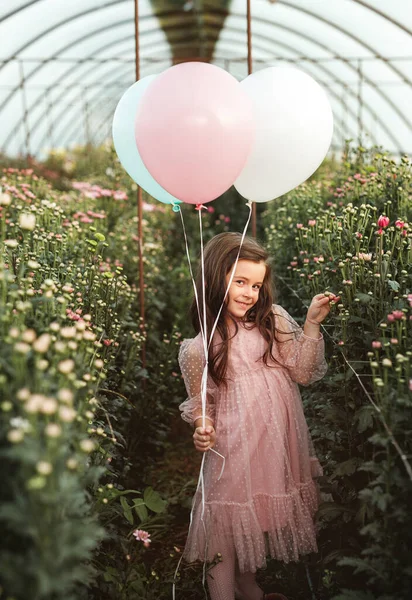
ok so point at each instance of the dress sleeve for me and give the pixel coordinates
(303, 356)
(192, 362)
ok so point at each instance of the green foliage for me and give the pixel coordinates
(119, 460)
(326, 236)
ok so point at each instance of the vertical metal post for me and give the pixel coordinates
(25, 112)
(86, 120)
(49, 112)
(249, 37)
(139, 196)
(360, 103)
(249, 71)
(345, 133)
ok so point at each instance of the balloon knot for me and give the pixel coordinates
(175, 207)
(200, 206)
(249, 204)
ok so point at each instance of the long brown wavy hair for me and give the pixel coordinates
(219, 257)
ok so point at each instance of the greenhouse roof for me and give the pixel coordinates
(64, 65)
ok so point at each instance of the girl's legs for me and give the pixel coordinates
(246, 586)
(221, 578)
(225, 578)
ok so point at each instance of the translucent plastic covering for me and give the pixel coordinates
(64, 65)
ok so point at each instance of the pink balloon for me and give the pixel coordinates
(194, 131)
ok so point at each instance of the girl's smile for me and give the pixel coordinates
(245, 287)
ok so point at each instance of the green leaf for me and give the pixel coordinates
(141, 510)
(330, 510)
(365, 298)
(364, 418)
(127, 511)
(153, 500)
(360, 565)
(139, 587)
(394, 285)
(115, 492)
(347, 467)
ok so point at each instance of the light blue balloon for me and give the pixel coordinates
(125, 142)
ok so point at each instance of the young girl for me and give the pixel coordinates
(265, 499)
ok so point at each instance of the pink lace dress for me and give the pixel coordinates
(266, 498)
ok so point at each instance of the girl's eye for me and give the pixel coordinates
(257, 287)
(239, 281)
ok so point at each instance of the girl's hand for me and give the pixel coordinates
(319, 307)
(204, 438)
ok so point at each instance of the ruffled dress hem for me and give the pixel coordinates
(280, 526)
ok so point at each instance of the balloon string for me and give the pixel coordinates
(249, 205)
(176, 206)
(206, 346)
(200, 483)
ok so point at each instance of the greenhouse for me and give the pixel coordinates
(206, 299)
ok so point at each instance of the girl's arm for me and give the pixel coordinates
(191, 364)
(312, 330)
(301, 351)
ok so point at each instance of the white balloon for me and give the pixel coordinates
(294, 127)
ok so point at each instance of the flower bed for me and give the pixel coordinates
(90, 434)
(349, 233)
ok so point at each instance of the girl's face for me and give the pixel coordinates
(245, 287)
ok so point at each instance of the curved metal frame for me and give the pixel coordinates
(339, 126)
(226, 13)
(382, 14)
(66, 138)
(290, 48)
(309, 38)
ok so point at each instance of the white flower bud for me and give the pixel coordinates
(27, 221)
(42, 343)
(44, 468)
(66, 366)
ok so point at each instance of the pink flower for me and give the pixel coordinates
(299, 225)
(120, 195)
(365, 256)
(398, 314)
(410, 385)
(142, 536)
(399, 224)
(358, 235)
(210, 209)
(383, 221)
(391, 318)
(394, 341)
(312, 222)
(376, 345)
